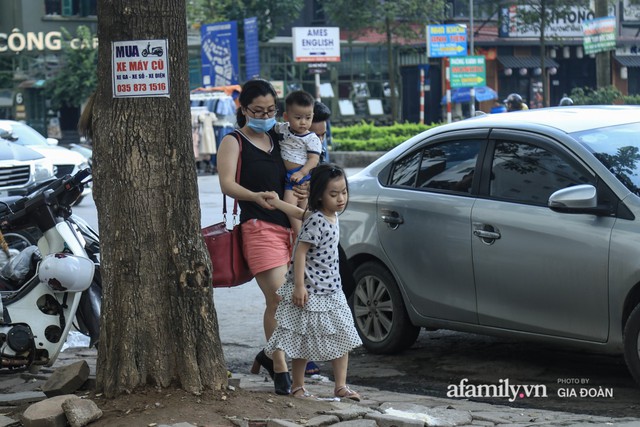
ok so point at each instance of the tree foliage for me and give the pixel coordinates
(272, 15)
(77, 77)
(602, 96)
(396, 19)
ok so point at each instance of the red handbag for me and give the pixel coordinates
(225, 246)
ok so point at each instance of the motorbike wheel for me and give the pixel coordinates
(21, 239)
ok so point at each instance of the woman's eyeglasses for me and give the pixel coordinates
(263, 114)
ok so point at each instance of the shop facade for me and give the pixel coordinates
(356, 88)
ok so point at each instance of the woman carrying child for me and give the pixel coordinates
(314, 320)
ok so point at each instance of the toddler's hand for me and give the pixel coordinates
(297, 176)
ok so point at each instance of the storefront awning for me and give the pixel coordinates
(525, 61)
(629, 60)
(28, 84)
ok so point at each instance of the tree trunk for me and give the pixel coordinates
(603, 59)
(159, 325)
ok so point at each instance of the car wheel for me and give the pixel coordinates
(632, 343)
(379, 311)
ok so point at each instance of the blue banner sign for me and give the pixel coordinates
(219, 54)
(446, 40)
(252, 55)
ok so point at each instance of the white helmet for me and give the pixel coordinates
(66, 272)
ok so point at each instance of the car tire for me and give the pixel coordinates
(379, 311)
(631, 339)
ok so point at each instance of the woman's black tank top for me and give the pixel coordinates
(262, 171)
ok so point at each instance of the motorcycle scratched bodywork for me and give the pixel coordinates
(37, 317)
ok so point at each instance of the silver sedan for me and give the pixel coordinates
(523, 224)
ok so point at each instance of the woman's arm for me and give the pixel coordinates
(227, 163)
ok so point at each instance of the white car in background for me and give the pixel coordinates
(65, 161)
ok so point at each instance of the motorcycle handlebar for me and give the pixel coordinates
(51, 193)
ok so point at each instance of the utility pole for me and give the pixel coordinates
(472, 51)
(603, 59)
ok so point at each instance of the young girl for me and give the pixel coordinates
(314, 320)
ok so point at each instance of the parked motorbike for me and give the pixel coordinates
(48, 288)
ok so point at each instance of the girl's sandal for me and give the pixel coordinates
(304, 395)
(346, 393)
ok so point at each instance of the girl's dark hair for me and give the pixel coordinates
(250, 91)
(320, 177)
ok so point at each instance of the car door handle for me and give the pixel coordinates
(393, 218)
(484, 234)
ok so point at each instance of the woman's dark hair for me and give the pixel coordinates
(320, 177)
(250, 91)
(321, 112)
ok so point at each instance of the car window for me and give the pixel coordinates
(25, 135)
(444, 166)
(618, 148)
(528, 173)
(405, 170)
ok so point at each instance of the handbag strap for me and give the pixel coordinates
(238, 168)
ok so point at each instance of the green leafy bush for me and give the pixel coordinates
(632, 99)
(369, 137)
(602, 96)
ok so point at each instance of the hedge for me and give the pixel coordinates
(369, 137)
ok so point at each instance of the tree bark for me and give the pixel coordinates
(159, 325)
(603, 59)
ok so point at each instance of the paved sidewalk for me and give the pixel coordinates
(378, 408)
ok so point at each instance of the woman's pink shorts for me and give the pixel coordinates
(265, 245)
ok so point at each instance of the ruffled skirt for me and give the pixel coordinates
(322, 330)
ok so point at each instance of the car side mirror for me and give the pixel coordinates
(52, 141)
(577, 199)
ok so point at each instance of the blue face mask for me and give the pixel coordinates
(261, 125)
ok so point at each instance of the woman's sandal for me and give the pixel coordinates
(345, 392)
(304, 395)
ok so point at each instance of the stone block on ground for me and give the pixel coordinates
(7, 421)
(357, 423)
(385, 420)
(20, 398)
(322, 420)
(66, 379)
(81, 412)
(47, 413)
(281, 423)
